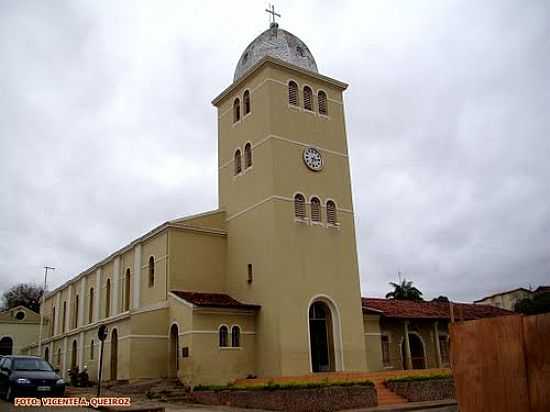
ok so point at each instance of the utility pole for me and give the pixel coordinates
(46, 268)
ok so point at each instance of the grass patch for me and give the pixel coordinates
(270, 386)
(417, 378)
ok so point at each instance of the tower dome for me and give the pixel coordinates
(278, 43)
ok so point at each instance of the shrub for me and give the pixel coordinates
(271, 386)
(416, 378)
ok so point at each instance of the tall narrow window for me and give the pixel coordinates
(247, 155)
(76, 304)
(386, 350)
(237, 160)
(47, 354)
(322, 101)
(236, 110)
(299, 206)
(223, 336)
(331, 213)
(235, 336)
(444, 348)
(64, 325)
(52, 331)
(127, 288)
(246, 102)
(108, 298)
(151, 271)
(293, 93)
(91, 306)
(58, 356)
(92, 348)
(308, 98)
(250, 273)
(315, 210)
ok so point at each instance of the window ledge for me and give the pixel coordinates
(230, 347)
(313, 113)
(301, 220)
(333, 226)
(318, 223)
(324, 116)
(246, 115)
(294, 107)
(236, 123)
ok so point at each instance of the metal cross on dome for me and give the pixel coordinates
(273, 14)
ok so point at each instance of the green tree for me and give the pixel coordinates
(404, 291)
(26, 294)
(539, 303)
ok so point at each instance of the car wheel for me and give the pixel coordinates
(9, 394)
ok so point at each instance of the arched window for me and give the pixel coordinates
(308, 98)
(108, 298)
(76, 303)
(64, 325)
(47, 354)
(246, 102)
(151, 271)
(236, 110)
(238, 165)
(247, 155)
(6, 346)
(293, 93)
(127, 288)
(91, 306)
(235, 336)
(223, 336)
(322, 101)
(52, 325)
(332, 218)
(299, 206)
(315, 210)
(92, 348)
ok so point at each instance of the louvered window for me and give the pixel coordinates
(246, 102)
(299, 206)
(293, 93)
(247, 155)
(331, 213)
(322, 98)
(315, 210)
(236, 110)
(308, 98)
(238, 166)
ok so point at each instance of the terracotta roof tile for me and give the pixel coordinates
(408, 309)
(216, 300)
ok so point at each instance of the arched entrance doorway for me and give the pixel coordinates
(418, 357)
(321, 337)
(73, 355)
(114, 355)
(6, 346)
(173, 359)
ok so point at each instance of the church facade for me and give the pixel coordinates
(265, 285)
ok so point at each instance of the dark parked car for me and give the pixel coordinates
(29, 376)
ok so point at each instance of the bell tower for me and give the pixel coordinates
(284, 183)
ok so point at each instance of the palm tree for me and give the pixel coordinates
(404, 291)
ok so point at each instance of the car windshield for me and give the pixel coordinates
(31, 365)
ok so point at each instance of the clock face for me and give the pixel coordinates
(313, 159)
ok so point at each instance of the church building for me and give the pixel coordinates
(265, 285)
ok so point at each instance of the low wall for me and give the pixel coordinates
(425, 390)
(296, 400)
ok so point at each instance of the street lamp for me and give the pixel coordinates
(46, 268)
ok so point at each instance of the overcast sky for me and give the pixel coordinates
(106, 130)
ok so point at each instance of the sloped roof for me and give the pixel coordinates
(9, 315)
(506, 292)
(213, 300)
(408, 309)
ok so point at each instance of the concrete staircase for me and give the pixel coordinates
(385, 395)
